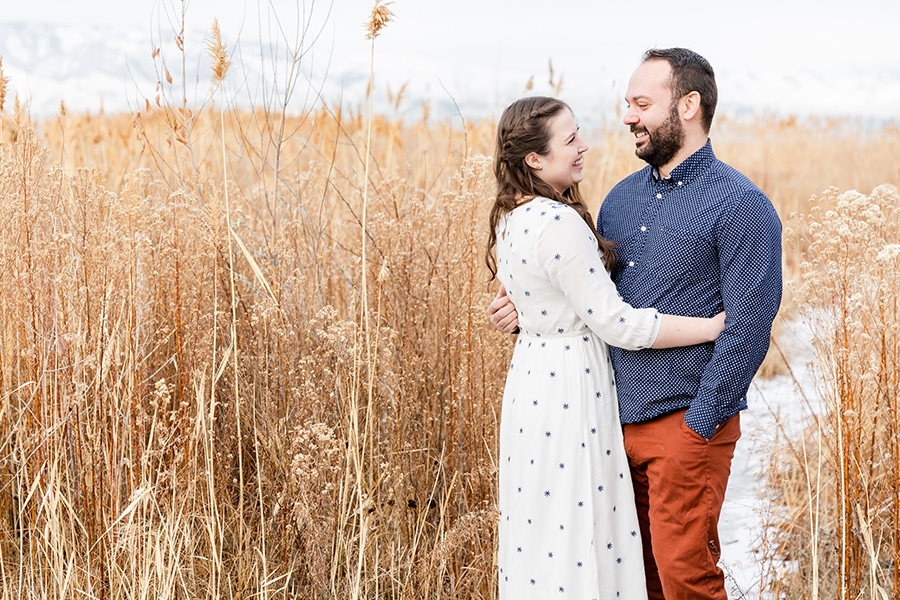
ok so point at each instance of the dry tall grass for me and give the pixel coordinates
(181, 420)
(838, 484)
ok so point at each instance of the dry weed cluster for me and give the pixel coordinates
(839, 484)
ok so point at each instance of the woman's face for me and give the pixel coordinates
(561, 167)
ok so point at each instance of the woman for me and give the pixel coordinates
(568, 526)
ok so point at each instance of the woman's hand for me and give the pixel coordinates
(502, 312)
(718, 325)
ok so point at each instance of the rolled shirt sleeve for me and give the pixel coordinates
(749, 248)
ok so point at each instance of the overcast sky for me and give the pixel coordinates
(787, 56)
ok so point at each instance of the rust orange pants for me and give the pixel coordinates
(679, 484)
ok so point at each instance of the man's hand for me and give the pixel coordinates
(502, 312)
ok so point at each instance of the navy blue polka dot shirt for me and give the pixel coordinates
(703, 240)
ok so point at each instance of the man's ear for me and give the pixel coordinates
(690, 106)
(533, 161)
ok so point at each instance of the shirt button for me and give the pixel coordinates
(643, 228)
(679, 183)
(658, 196)
(630, 263)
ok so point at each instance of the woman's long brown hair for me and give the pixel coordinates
(523, 129)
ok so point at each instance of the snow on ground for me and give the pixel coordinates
(772, 403)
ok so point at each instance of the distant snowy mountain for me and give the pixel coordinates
(87, 67)
(92, 68)
(97, 67)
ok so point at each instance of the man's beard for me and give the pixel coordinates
(663, 143)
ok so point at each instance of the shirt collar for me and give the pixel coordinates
(690, 168)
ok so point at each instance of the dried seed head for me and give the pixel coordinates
(3, 81)
(217, 50)
(380, 16)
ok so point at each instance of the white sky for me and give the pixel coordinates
(788, 56)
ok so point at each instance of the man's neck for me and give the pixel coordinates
(690, 147)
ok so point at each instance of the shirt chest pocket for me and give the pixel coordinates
(674, 253)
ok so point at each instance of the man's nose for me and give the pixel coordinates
(630, 117)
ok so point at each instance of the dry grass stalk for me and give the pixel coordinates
(360, 450)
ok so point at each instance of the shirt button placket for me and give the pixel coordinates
(652, 209)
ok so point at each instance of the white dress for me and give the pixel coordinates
(568, 524)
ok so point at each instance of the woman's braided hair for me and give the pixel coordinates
(523, 129)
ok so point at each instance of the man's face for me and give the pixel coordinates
(652, 114)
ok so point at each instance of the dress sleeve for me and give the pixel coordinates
(567, 253)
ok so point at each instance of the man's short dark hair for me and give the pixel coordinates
(690, 73)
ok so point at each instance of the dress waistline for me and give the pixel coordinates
(566, 334)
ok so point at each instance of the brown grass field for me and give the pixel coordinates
(245, 353)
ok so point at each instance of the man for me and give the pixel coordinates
(694, 237)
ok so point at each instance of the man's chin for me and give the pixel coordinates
(647, 157)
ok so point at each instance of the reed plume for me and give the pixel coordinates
(379, 17)
(4, 81)
(217, 49)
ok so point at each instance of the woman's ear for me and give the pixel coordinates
(533, 161)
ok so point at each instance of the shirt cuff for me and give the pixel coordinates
(703, 419)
